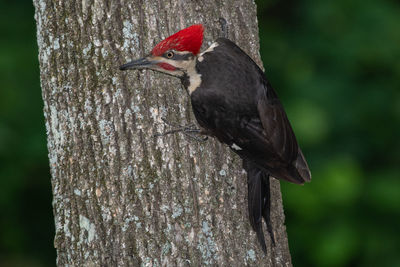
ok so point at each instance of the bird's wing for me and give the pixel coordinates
(264, 137)
(278, 131)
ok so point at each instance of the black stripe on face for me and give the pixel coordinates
(178, 57)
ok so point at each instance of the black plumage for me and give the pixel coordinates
(236, 103)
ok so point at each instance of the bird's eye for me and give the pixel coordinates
(170, 54)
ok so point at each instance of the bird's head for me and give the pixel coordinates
(174, 55)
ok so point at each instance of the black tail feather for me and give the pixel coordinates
(258, 201)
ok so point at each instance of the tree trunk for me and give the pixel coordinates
(122, 197)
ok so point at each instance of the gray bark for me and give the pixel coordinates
(121, 197)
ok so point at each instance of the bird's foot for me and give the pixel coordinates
(188, 130)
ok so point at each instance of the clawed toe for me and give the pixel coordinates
(189, 130)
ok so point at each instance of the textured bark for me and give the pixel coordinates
(121, 197)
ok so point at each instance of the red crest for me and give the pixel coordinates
(188, 39)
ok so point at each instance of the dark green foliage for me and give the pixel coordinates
(26, 221)
(336, 68)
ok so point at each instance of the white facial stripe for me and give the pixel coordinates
(183, 64)
(194, 80)
(180, 52)
(210, 49)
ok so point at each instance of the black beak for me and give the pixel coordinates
(137, 64)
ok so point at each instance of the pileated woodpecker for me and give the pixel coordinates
(233, 101)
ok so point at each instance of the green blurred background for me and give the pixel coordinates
(336, 67)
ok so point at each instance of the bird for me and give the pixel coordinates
(233, 101)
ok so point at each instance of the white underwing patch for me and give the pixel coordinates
(235, 147)
(194, 77)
